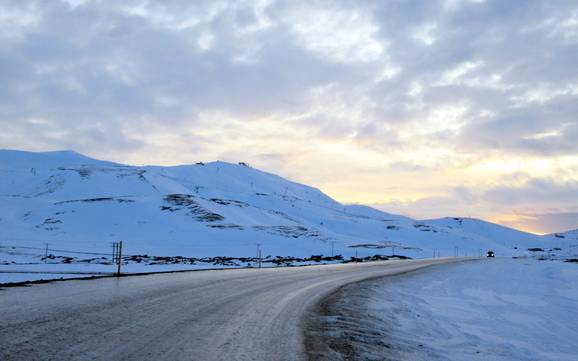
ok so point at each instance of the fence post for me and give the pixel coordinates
(119, 259)
(114, 244)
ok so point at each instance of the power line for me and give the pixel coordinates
(56, 250)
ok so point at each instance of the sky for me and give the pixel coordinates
(422, 108)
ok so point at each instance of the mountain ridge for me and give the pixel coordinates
(214, 208)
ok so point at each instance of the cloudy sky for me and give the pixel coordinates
(424, 108)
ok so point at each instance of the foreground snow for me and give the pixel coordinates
(499, 309)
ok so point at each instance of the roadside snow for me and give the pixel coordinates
(500, 309)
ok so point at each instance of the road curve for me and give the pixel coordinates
(247, 314)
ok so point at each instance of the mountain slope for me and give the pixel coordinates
(215, 209)
(570, 235)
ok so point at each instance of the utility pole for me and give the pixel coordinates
(259, 254)
(332, 247)
(46, 253)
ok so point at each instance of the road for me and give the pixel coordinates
(246, 314)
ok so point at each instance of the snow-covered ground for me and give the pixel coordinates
(501, 309)
(77, 206)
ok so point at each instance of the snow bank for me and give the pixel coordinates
(500, 309)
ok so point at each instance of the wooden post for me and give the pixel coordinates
(119, 259)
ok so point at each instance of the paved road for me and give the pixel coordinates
(212, 315)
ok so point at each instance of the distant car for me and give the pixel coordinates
(491, 254)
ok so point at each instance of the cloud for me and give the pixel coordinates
(359, 98)
(540, 205)
(549, 222)
(336, 33)
(535, 191)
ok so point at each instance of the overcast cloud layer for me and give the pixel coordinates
(426, 108)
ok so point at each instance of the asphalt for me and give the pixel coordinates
(247, 314)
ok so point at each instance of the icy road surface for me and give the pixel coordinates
(245, 314)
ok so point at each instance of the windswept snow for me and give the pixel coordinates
(474, 311)
(502, 310)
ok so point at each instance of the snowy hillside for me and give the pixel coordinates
(569, 235)
(75, 203)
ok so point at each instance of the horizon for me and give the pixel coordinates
(416, 108)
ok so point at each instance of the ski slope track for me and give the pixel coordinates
(247, 314)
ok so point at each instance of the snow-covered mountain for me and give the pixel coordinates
(569, 235)
(214, 209)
